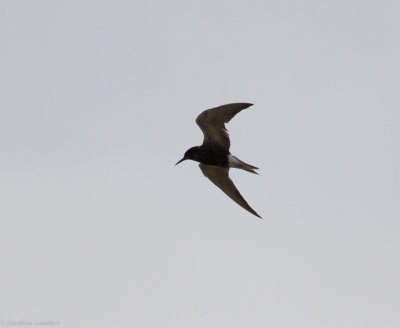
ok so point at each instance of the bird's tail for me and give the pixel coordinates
(237, 163)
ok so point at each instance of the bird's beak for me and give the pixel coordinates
(183, 159)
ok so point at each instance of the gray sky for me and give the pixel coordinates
(98, 102)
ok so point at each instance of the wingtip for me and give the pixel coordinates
(242, 104)
(255, 213)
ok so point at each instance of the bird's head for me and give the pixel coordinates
(191, 153)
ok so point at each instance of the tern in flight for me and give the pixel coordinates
(214, 156)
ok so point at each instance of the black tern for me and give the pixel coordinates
(214, 156)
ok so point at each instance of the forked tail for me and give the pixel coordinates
(237, 163)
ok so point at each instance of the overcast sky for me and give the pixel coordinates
(100, 229)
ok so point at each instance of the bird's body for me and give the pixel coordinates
(210, 154)
(214, 155)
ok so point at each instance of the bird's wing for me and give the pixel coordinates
(212, 123)
(220, 177)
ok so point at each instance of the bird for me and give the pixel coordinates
(214, 156)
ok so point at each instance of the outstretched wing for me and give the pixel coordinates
(220, 177)
(212, 123)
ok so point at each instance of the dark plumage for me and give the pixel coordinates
(214, 156)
